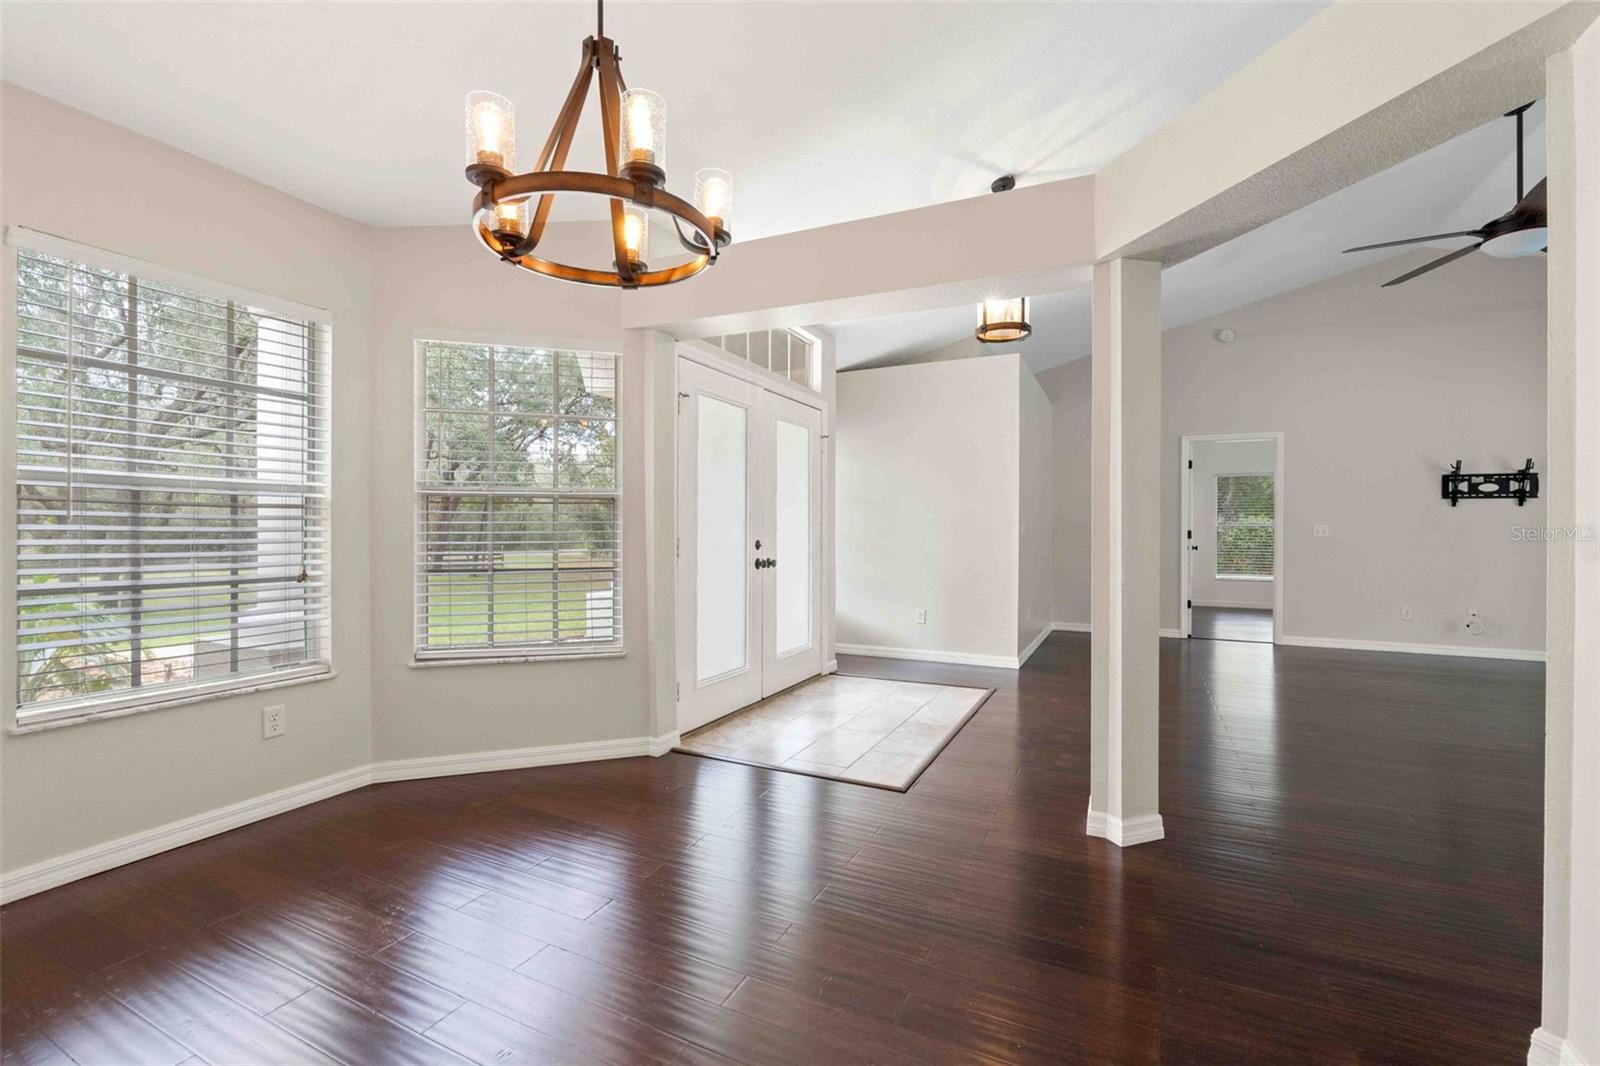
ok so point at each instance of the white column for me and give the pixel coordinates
(1569, 1030)
(1125, 559)
(650, 376)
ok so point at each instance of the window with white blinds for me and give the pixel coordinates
(1244, 525)
(519, 503)
(172, 488)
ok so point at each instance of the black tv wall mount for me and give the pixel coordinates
(1520, 485)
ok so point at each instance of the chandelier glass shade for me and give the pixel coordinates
(511, 210)
(1001, 321)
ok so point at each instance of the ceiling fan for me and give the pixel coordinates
(1520, 231)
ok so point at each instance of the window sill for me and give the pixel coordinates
(499, 660)
(1242, 577)
(176, 700)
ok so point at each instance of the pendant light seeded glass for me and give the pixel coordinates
(633, 183)
(1003, 320)
(491, 131)
(644, 129)
(713, 195)
(636, 236)
(510, 219)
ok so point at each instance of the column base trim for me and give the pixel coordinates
(1547, 1049)
(1125, 832)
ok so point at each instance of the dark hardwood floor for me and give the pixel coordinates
(1351, 874)
(1231, 623)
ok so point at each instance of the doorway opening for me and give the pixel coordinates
(1231, 571)
(749, 536)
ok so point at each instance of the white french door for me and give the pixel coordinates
(749, 543)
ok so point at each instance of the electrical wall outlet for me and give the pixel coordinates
(922, 616)
(274, 722)
(1319, 531)
(1405, 614)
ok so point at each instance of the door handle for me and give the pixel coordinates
(766, 564)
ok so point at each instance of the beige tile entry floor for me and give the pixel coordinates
(864, 729)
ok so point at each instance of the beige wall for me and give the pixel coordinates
(927, 512)
(437, 282)
(1376, 391)
(68, 788)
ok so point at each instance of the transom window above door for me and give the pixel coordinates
(518, 539)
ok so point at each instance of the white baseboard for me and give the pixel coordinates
(1471, 651)
(1008, 662)
(1125, 832)
(98, 858)
(1548, 1049)
(113, 853)
(482, 762)
(1033, 645)
(1085, 627)
(1171, 634)
(1243, 605)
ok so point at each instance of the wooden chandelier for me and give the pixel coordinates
(633, 182)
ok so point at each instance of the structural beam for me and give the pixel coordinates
(1024, 242)
(1358, 88)
(1125, 559)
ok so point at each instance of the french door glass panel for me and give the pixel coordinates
(721, 534)
(792, 577)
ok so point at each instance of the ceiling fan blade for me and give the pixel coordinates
(1415, 240)
(1435, 265)
(1534, 202)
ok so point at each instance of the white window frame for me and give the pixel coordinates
(422, 659)
(67, 712)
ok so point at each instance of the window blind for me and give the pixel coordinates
(1244, 525)
(172, 490)
(518, 540)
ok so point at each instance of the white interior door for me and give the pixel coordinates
(718, 638)
(790, 506)
(749, 543)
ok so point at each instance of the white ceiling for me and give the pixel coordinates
(1458, 185)
(824, 112)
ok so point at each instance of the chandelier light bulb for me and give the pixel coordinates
(636, 235)
(511, 217)
(491, 131)
(713, 195)
(643, 128)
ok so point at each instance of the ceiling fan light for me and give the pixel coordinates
(1517, 244)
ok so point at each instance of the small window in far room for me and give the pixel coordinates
(1244, 525)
